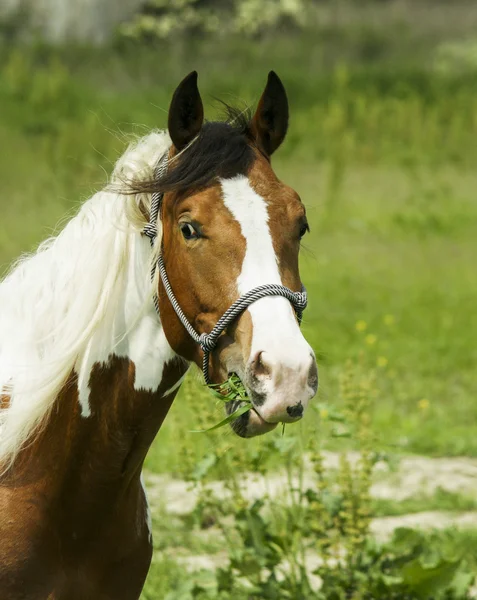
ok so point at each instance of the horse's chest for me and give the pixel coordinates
(73, 515)
(112, 573)
(43, 555)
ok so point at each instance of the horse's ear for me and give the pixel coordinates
(186, 112)
(270, 123)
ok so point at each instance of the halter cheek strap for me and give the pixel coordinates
(208, 341)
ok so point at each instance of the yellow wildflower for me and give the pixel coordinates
(324, 413)
(370, 339)
(361, 325)
(424, 404)
(389, 319)
(382, 361)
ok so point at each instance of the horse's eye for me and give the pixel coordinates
(303, 229)
(189, 232)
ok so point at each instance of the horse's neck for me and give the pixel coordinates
(108, 414)
(133, 330)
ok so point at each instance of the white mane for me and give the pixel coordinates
(54, 300)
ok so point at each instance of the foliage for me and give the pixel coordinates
(314, 541)
(230, 390)
(457, 56)
(165, 20)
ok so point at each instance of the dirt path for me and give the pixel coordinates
(423, 475)
(414, 475)
(383, 527)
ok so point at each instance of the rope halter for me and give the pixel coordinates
(208, 341)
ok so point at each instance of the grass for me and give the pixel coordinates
(441, 500)
(448, 542)
(231, 390)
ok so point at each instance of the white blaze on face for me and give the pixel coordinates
(272, 317)
(275, 330)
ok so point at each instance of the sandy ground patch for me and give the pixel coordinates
(414, 475)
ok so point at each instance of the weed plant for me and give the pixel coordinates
(312, 540)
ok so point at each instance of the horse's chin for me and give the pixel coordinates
(257, 425)
(251, 424)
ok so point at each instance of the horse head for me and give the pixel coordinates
(230, 225)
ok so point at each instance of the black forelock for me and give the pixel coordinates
(221, 150)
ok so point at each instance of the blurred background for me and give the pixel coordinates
(382, 148)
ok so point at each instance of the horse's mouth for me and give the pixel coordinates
(257, 424)
(250, 423)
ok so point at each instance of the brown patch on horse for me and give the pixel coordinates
(72, 509)
(221, 250)
(4, 401)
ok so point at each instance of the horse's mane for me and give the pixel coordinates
(53, 301)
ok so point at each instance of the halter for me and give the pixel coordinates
(208, 341)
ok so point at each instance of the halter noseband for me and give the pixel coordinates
(208, 341)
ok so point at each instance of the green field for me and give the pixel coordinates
(383, 153)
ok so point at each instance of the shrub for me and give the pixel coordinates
(163, 19)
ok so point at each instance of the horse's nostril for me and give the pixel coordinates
(295, 411)
(259, 367)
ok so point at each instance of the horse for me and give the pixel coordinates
(93, 348)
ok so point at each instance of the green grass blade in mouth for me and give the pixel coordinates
(235, 415)
(230, 390)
